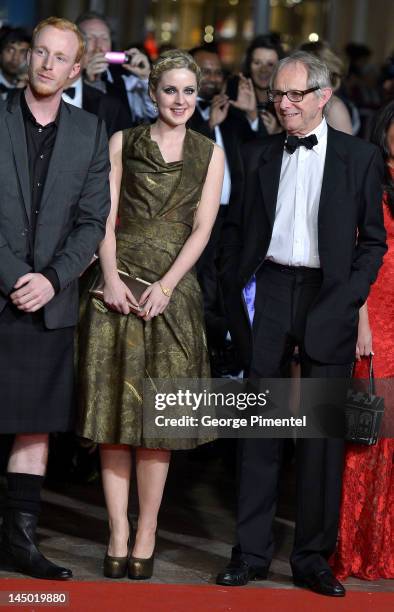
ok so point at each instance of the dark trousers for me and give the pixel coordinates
(215, 319)
(283, 298)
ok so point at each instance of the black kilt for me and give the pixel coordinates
(36, 374)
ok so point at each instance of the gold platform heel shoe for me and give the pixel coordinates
(141, 569)
(115, 567)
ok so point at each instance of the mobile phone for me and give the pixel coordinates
(263, 106)
(120, 57)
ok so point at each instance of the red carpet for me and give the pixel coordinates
(142, 597)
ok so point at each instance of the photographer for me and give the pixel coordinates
(128, 81)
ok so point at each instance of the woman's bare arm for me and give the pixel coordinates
(116, 294)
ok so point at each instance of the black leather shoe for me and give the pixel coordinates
(19, 552)
(238, 573)
(323, 582)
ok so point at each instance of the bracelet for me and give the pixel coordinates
(165, 290)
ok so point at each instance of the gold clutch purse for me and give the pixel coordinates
(137, 287)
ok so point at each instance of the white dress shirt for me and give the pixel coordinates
(7, 83)
(226, 189)
(77, 99)
(253, 123)
(294, 239)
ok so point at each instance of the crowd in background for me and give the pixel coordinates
(360, 84)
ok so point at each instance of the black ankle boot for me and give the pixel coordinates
(19, 552)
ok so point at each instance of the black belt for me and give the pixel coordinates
(295, 270)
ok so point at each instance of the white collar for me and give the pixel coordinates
(6, 83)
(78, 86)
(320, 132)
(77, 99)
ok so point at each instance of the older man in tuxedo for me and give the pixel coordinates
(54, 203)
(307, 222)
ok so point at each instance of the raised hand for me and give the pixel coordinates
(139, 63)
(218, 110)
(96, 66)
(246, 98)
(270, 122)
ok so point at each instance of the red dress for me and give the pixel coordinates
(366, 531)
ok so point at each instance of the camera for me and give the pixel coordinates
(121, 57)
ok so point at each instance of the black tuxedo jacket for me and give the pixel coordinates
(115, 89)
(111, 110)
(351, 239)
(235, 131)
(74, 206)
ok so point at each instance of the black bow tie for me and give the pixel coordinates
(203, 104)
(70, 92)
(293, 142)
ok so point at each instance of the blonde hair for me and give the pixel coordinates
(65, 25)
(170, 60)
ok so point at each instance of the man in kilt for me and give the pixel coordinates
(54, 203)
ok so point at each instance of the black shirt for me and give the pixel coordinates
(40, 141)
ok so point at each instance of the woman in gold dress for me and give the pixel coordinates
(165, 189)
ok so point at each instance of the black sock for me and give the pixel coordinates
(24, 492)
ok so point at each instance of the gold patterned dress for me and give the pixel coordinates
(157, 204)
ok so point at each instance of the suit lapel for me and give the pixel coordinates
(17, 134)
(118, 87)
(333, 175)
(89, 99)
(64, 145)
(269, 175)
(231, 139)
(85, 98)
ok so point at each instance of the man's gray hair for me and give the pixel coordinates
(318, 73)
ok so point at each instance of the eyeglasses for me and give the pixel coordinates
(294, 95)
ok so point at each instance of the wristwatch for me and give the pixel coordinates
(165, 290)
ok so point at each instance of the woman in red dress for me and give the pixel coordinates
(366, 533)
